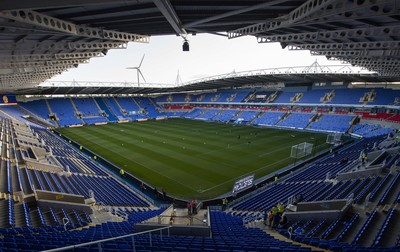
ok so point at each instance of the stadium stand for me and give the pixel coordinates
(65, 111)
(225, 115)
(177, 98)
(15, 112)
(373, 116)
(336, 234)
(239, 96)
(55, 193)
(53, 176)
(385, 97)
(175, 114)
(37, 107)
(208, 115)
(367, 130)
(225, 96)
(313, 96)
(115, 108)
(208, 97)
(269, 118)
(296, 120)
(70, 172)
(130, 108)
(348, 96)
(86, 106)
(285, 97)
(103, 107)
(342, 123)
(259, 96)
(148, 106)
(246, 115)
(194, 113)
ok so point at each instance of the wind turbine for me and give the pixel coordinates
(138, 72)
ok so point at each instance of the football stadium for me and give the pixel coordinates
(280, 159)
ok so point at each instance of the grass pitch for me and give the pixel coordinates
(192, 159)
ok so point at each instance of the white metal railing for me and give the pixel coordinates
(99, 242)
(65, 223)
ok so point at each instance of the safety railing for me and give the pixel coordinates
(99, 242)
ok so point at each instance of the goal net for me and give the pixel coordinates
(333, 138)
(301, 150)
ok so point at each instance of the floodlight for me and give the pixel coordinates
(185, 46)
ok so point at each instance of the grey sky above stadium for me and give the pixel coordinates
(209, 55)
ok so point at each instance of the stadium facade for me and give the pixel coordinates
(55, 194)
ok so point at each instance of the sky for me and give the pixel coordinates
(209, 55)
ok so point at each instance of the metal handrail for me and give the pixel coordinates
(65, 223)
(104, 240)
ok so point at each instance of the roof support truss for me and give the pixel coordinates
(55, 24)
(169, 13)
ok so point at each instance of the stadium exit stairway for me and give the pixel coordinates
(376, 221)
(4, 215)
(281, 237)
(76, 109)
(19, 215)
(103, 106)
(51, 111)
(34, 217)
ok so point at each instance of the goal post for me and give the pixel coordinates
(301, 150)
(333, 138)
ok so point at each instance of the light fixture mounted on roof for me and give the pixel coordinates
(185, 46)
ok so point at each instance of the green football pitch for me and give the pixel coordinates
(192, 159)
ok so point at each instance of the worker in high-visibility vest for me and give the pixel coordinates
(122, 173)
(224, 203)
(363, 158)
(281, 208)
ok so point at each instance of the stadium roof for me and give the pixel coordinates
(272, 78)
(43, 38)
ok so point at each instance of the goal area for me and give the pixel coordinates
(333, 138)
(301, 150)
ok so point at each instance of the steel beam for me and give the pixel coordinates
(45, 4)
(169, 13)
(42, 63)
(335, 35)
(58, 46)
(235, 12)
(38, 19)
(36, 69)
(322, 11)
(96, 45)
(337, 10)
(358, 53)
(47, 57)
(307, 9)
(24, 79)
(301, 13)
(371, 62)
(55, 24)
(82, 55)
(346, 46)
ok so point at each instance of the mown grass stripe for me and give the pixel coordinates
(184, 165)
